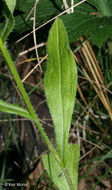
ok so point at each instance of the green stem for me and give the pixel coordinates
(31, 110)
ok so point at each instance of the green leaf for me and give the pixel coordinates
(60, 84)
(6, 29)
(81, 22)
(45, 10)
(14, 109)
(104, 7)
(55, 172)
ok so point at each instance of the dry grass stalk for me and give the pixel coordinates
(34, 34)
(95, 77)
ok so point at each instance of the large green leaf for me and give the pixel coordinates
(7, 13)
(60, 85)
(82, 22)
(45, 10)
(14, 109)
(99, 29)
(104, 7)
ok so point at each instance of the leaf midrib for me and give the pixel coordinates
(60, 78)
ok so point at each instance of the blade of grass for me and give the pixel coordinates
(94, 187)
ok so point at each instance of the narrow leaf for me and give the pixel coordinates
(14, 109)
(60, 85)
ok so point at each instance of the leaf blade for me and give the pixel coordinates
(14, 109)
(98, 28)
(82, 22)
(104, 7)
(60, 85)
